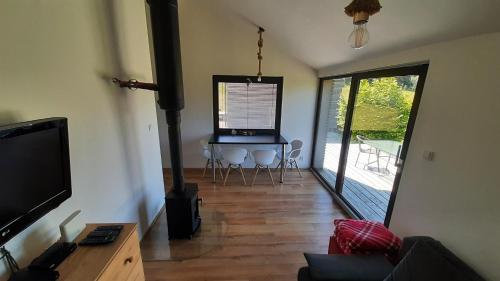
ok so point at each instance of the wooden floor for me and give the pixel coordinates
(370, 202)
(251, 233)
(365, 187)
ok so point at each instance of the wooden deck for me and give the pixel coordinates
(365, 187)
(250, 233)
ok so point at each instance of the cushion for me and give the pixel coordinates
(333, 247)
(361, 236)
(429, 261)
(348, 268)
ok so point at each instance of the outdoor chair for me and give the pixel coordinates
(365, 148)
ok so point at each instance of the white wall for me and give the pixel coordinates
(56, 59)
(456, 197)
(213, 43)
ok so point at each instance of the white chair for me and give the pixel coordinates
(365, 148)
(235, 157)
(207, 153)
(292, 156)
(263, 158)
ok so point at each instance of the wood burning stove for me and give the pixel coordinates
(181, 201)
(183, 215)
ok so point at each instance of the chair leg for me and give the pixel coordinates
(257, 167)
(206, 166)
(297, 166)
(378, 160)
(368, 162)
(243, 175)
(221, 168)
(387, 163)
(270, 175)
(227, 173)
(357, 158)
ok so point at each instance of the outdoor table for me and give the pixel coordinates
(391, 147)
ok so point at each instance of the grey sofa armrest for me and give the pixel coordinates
(438, 261)
(348, 267)
(409, 241)
(304, 274)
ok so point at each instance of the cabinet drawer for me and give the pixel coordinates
(127, 260)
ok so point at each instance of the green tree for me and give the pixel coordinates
(408, 82)
(381, 111)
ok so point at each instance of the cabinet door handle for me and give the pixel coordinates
(128, 260)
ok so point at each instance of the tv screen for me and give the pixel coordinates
(34, 172)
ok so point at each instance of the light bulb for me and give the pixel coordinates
(359, 36)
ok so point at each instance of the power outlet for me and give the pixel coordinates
(428, 155)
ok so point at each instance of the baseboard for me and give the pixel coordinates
(157, 216)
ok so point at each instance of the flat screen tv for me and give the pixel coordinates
(35, 173)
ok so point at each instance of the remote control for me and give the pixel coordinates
(117, 227)
(102, 235)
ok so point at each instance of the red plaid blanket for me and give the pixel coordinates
(359, 236)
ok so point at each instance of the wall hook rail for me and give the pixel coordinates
(133, 84)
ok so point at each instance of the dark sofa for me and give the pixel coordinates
(421, 258)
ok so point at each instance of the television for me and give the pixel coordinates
(35, 173)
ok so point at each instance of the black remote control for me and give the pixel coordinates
(102, 235)
(97, 240)
(99, 233)
(116, 227)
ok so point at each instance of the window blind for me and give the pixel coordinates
(247, 106)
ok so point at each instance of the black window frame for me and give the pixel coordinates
(278, 80)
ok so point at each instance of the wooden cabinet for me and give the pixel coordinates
(120, 260)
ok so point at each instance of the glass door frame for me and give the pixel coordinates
(356, 77)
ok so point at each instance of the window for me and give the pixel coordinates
(363, 128)
(245, 105)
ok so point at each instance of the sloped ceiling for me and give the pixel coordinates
(316, 31)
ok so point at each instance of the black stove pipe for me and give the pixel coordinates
(174, 139)
(167, 53)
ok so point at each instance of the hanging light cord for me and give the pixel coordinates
(248, 85)
(5, 254)
(260, 43)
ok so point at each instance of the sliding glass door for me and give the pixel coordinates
(331, 127)
(363, 127)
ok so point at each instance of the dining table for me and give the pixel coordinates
(248, 140)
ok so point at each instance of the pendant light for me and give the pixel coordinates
(260, 44)
(360, 11)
